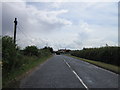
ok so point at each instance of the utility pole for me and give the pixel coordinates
(15, 26)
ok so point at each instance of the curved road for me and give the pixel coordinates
(66, 72)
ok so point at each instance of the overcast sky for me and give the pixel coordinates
(71, 25)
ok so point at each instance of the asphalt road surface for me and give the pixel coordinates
(65, 72)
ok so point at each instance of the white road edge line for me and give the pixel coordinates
(105, 70)
(77, 75)
(99, 67)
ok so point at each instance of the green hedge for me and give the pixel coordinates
(108, 55)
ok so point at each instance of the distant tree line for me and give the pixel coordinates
(33, 50)
(110, 55)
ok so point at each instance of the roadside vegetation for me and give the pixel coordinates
(105, 57)
(113, 68)
(0, 62)
(16, 62)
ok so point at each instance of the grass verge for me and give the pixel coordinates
(14, 78)
(110, 67)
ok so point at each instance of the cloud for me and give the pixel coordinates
(60, 1)
(0, 19)
(89, 35)
(30, 20)
(68, 25)
(31, 15)
(48, 16)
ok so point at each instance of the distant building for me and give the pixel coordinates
(64, 50)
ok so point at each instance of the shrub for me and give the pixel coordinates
(108, 55)
(48, 48)
(8, 53)
(31, 50)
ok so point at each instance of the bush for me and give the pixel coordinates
(31, 50)
(48, 48)
(14, 59)
(108, 55)
(8, 53)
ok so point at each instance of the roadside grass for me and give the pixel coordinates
(15, 76)
(0, 75)
(110, 67)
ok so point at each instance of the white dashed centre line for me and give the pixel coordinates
(76, 75)
(80, 80)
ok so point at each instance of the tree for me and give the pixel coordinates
(48, 48)
(31, 50)
(51, 49)
(8, 53)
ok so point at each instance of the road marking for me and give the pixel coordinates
(80, 80)
(105, 70)
(76, 75)
(98, 67)
(68, 65)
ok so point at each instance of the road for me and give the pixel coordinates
(66, 72)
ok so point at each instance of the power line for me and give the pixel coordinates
(25, 35)
(23, 32)
(21, 28)
(28, 36)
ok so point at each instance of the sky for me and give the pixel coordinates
(70, 25)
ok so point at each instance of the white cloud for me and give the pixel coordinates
(58, 28)
(32, 20)
(0, 19)
(50, 17)
(60, 0)
(56, 4)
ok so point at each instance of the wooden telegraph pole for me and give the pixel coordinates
(15, 26)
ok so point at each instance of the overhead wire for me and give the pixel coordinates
(25, 35)
(20, 27)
